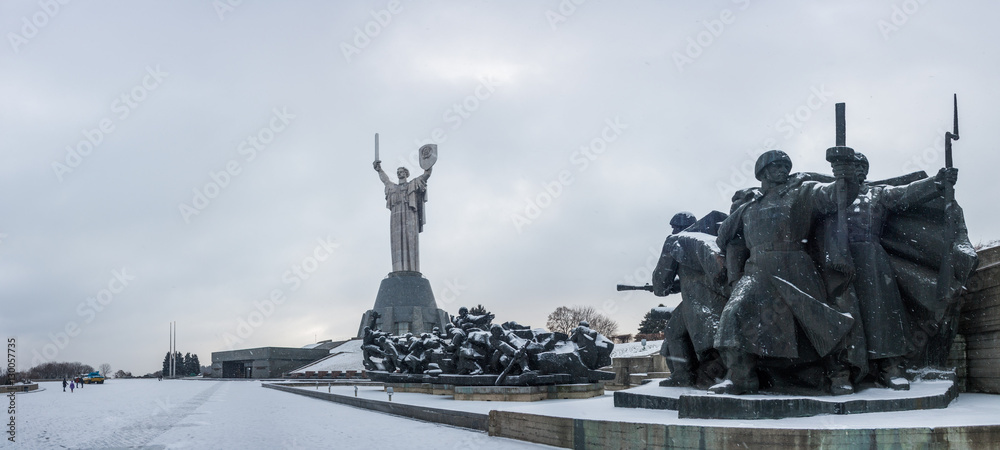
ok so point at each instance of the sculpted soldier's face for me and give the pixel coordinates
(862, 172)
(777, 172)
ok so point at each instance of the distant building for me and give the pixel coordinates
(267, 362)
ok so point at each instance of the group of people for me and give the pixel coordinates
(72, 383)
(795, 287)
(473, 345)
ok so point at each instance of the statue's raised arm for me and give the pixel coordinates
(381, 173)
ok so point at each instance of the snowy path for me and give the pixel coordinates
(220, 414)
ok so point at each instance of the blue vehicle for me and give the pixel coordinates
(93, 378)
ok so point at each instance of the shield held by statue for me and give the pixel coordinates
(428, 156)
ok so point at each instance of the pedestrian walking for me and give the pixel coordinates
(72, 385)
(64, 384)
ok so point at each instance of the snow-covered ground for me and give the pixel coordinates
(241, 414)
(219, 414)
(344, 357)
(636, 349)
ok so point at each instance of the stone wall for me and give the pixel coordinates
(460, 419)
(583, 433)
(630, 371)
(980, 324)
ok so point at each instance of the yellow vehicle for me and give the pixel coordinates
(93, 378)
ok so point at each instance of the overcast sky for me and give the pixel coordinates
(183, 161)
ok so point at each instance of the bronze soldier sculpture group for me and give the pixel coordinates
(817, 283)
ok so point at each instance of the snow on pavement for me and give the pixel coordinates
(632, 349)
(220, 414)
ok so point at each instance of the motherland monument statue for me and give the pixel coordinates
(405, 302)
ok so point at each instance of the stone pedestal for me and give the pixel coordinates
(504, 393)
(698, 404)
(405, 304)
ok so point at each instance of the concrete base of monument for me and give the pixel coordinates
(971, 421)
(528, 379)
(699, 404)
(503, 393)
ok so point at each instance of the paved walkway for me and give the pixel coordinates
(220, 414)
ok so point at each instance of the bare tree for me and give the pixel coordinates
(565, 319)
(105, 368)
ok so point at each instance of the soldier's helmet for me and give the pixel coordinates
(767, 158)
(682, 220)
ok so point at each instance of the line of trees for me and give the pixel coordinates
(564, 319)
(187, 365)
(55, 371)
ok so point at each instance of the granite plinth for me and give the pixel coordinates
(422, 388)
(697, 404)
(503, 393)
(405, 297)
(593, 376)
(528, 393)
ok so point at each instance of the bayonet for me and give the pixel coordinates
(946, 274)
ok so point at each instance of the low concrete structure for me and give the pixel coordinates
(698, 404)
(19, 387)
(585, 433)
(503, 393)
(633, 370)
(266, 362)
(460, 419)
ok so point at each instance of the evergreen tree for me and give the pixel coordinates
(654, 321)
(179, 364)
(194, 368)
(479, 310)
(184, 367)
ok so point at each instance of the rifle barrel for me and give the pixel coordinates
(625, 287)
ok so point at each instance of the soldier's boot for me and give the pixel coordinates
(890, 374)
(681, 376)
(680, 360)
(839, 375)
(742, 375)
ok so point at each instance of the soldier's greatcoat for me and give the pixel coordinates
(780, 291)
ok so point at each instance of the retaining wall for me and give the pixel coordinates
(980, 324)
(444, 416)
(582, 433)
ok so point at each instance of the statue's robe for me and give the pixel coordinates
(405, 202)
(778, 308)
